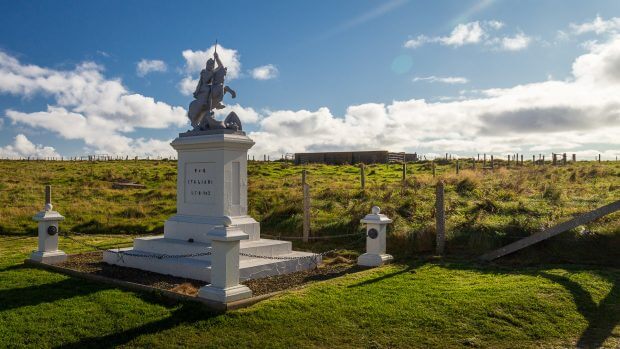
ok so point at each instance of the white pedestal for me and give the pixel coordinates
(376, 226)
(225, 287)
(48, 251)
(212, 183)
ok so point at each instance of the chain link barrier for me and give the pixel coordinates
(120, 254)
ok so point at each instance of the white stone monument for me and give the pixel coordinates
(376, 225)
(212, 186)
(48, 219)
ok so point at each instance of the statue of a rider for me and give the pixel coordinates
(208, 95)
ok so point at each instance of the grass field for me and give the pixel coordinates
(419, 302)
(484, 209)
(438, 304)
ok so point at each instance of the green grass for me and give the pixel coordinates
(485, 210)
(421, 304)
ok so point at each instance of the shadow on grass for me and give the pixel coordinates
(187, 313)
(602, 318)
(46, 293)
(408, 269)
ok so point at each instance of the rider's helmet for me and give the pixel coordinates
(210, 64)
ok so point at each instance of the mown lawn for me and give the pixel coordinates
(419, 303)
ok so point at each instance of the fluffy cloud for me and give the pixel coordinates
(597, 26)
(247, 115)
(578, 113)
(87, 106)
(22, 147)
(515, 43)
(146, 66)
(445, 80)
(265, 72)
(474, 33)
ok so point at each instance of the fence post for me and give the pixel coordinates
(574, 157)
(433, 167)
(457, 166)
(440, 219)
(363, 176)
(492, 163)
(404, 173)
(484, 161)
(599, 158)
(306, 204)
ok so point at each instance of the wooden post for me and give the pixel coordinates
(440, 219)
(484, 161)
(363, 176)
(404, 173)
(533, 159)
(599, 158)
(521, 159)
(553, 159)
(433, 167)
(473, 164)
(306, 204)
(574, 157)
(457, 166)
(492, 162)
(564, 159)
(508, 163)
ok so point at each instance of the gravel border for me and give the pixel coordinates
(92, 263)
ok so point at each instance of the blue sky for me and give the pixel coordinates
(433, 77)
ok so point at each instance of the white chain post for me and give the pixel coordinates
(48, 219)
(376, 224)
(224, 286)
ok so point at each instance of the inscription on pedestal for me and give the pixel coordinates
(199, 182)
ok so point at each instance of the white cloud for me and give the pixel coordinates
(445, 80)
(578, 113)
(469, 33)
(515, 43)
(146, 66)
(597, 26)
(195, 61)
(22, 147)
(246, 115)
(265, 72)
(478, 32)
(86, 106)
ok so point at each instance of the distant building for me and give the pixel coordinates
(353, 157)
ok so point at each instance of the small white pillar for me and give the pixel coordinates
(376, 224)
(48, 219)
(224, 286)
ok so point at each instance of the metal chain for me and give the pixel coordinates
(313, 237)
(120, 253)
(133, 254)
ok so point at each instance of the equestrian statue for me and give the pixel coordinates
(208, 95)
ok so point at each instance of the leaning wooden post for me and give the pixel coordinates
(306, 204)
(440, 219)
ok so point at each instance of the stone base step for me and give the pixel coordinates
(249, 267)
(161, 245)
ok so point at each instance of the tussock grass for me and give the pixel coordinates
(485, 209)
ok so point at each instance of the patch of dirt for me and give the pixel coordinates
(92, 263)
